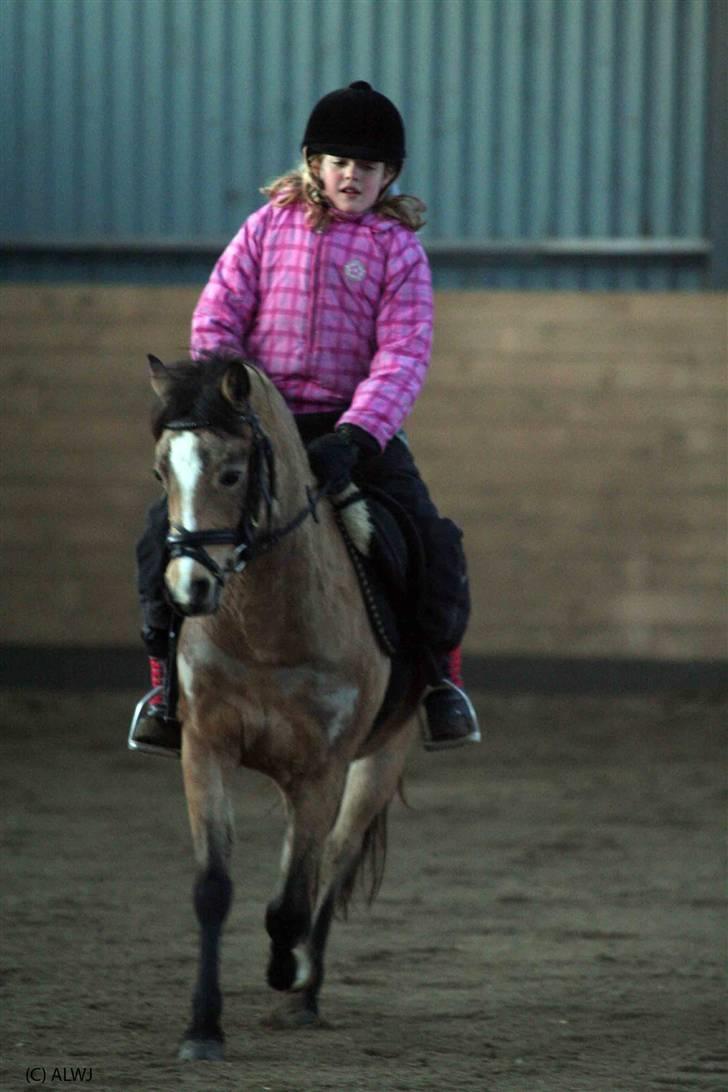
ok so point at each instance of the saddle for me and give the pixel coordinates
(386, 550)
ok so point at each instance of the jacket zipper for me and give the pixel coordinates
(315, 266)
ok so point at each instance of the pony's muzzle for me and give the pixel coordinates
(192, 589)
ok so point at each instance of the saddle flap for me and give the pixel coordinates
(388, 560)
(388, 549)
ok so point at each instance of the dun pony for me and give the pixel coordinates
(278, 671)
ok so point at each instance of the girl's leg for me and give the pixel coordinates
(444, 611)
(152, 727)
(151, 558)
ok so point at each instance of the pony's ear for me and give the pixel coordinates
(235, 386)
(159, 376)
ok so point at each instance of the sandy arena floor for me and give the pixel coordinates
(551, 917)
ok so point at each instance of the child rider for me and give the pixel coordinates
(328, 290)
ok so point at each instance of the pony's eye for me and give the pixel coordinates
(157, 474)
(229, 478)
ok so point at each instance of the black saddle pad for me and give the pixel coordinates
(391, 575)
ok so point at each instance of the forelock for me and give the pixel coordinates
(194, 396)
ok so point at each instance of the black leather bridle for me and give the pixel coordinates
(247, 540)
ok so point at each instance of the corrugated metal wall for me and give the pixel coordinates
(557, 143)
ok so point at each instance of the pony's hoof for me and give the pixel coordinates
(201, 1050)
(292, 1014)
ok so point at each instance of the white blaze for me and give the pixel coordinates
(186, 466)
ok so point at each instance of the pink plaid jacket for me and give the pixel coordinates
(339, 320)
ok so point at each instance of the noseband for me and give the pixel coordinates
(248, 543)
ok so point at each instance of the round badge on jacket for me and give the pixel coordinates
(355, 270)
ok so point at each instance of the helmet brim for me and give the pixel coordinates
(354, 151)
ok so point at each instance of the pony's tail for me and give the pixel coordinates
(368, 868)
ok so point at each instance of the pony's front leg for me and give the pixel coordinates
(358, 837)
(206, 773)
(312, 810)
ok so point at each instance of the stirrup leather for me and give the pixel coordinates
(139, 712)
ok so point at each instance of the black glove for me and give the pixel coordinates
(334, 455)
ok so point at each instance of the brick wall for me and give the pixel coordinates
(580, 440)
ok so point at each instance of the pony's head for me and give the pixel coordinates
(216, 465)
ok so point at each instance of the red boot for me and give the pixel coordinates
(152, 730)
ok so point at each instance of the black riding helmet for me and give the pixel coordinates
(356, 122)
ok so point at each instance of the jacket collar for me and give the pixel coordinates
(372, 220)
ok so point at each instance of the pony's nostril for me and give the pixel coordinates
(199, 598)
(199, 593)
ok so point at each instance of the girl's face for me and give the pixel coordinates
(353, 185)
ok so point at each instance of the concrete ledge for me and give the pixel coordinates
(89, 669)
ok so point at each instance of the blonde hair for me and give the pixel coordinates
(302, 186)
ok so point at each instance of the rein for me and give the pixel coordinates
(248, 542)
